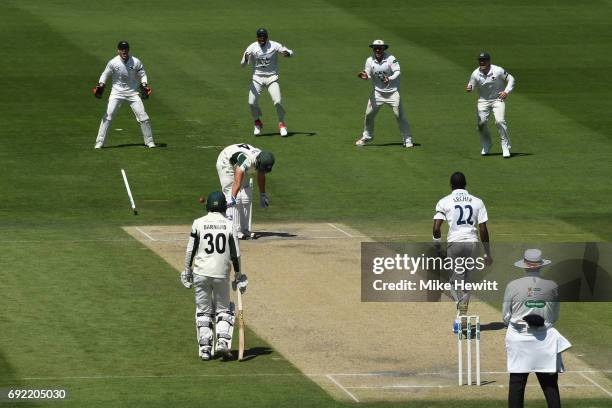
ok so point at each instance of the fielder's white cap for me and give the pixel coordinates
(379, 43)
(532, 259)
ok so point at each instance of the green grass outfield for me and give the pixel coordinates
(87, 308)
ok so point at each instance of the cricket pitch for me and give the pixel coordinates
(304, 298)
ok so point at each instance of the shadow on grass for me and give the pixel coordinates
(8, 381)
(401, 144)
(157, 145)
(289, 134)
(517, 154)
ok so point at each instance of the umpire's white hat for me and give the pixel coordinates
(379, 43)
(532, 259)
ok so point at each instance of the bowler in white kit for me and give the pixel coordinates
(466, 216)
(263, 57)
(493, 84)
(384, 71)
(129, 83)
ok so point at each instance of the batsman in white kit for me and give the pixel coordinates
(233, 165)
(384, 71)
(263, 57)
(466, 216)
(493, 84)
(211, 251)
(129, 85)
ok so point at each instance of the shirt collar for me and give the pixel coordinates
(384, 57)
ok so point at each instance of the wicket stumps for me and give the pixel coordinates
(468, 329)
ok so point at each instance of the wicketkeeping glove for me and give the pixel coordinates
(187, 278)
(241, 283)
(145, 91)
(264, 201)
(98, 90)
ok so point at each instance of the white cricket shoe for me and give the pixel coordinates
(151, 145)
(485, 150)
(98, 145)
(283, 129)
(506, 152)
(363, 141)
(408, 144)
(223, 349)
(205, 353)
(257, 128)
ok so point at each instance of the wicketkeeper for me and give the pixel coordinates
(129, 85)
(233, 164)
(211, 251)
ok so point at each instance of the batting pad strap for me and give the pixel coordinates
(228, 318)
(224, 336)
(204, 320)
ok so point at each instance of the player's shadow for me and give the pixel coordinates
(391, 144)
(512, 154)
(252, 353)
(492, 326)
(157, 145)
(268, 234)
(289, 134)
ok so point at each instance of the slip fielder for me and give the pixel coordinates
(493, 84)
(384, 71)
(263, 56)
(129, 83)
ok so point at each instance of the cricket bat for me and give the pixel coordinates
(241, 325)
(251, 210)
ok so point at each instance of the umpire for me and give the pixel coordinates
(531, 308)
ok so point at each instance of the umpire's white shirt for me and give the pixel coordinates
(490, 85)
(388, 67)
(126, 76)
(215, 243)
(463, 212)
(265, 59)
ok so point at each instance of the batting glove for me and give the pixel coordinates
(264, 201)
(187, 278)
(231, 202)
(241, 283)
